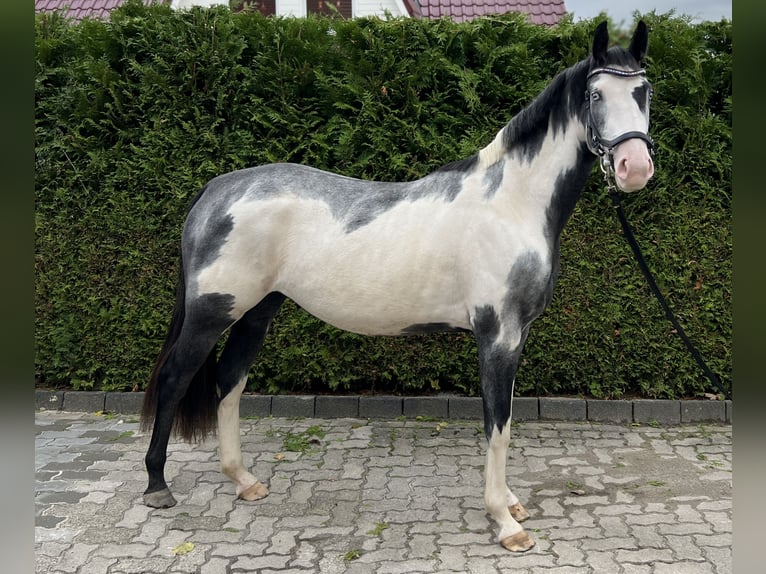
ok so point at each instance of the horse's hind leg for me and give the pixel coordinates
(245, 340)
(190, 361)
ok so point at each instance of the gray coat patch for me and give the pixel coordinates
(354, 202)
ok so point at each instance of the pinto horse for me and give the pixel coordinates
(473, 246)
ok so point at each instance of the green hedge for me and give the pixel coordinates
(134, 115)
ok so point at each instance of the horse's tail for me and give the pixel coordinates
(195, 417)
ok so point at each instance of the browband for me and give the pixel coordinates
(616, 72)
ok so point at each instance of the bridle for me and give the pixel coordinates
(599, 145)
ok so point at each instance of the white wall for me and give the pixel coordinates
(182, 4)
(379, 7)
(291, 8)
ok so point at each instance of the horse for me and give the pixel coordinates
(472, 246)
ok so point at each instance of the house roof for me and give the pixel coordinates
(547, 12)
(79, 9)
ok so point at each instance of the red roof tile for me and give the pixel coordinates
(540, 11)
(79, 9)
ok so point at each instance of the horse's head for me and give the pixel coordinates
(617, 109)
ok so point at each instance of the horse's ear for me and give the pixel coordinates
(600, 44)
(640, 42)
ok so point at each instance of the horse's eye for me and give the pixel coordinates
(595, 96)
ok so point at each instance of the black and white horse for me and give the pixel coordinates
(473, 246)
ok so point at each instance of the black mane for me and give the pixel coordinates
(561, 100)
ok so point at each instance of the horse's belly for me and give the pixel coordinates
(375, 293)
(381, 279)
(419, 266)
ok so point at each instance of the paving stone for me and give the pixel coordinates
(426, 407)
(292, 406)
(465, 408)
(49, 400)
(421, 487)
(525, 409)
(124, 403)
(657, 411)
(610, 411)
(336, 407)
(703, 411)
(255, 406)
(562, 409)
(381, 407)
(84, 401)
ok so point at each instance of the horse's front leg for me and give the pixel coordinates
(501, 503)
(498, 359)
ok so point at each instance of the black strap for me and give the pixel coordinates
(614, 195)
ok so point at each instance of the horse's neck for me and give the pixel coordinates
(544, 169)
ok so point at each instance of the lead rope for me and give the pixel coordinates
(606, 168)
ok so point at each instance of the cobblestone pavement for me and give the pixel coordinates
(384, 496)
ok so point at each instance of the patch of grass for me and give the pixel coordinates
(654, 424)
(125, 434)
(352, 555)
(426, 419)
(302, 441)
(378, 530)
(230, 529)
(656, 483)
(701, 457)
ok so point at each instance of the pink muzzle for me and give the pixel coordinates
(633, 165)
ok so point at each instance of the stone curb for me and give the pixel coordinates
(642, 411)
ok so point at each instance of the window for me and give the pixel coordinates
(265, 7)
(325, 7)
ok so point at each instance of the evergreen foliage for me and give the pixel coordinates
(134, 115)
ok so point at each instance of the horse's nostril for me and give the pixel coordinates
(622, 168)
(625, 168)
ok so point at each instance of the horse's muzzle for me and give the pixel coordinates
(633, 165)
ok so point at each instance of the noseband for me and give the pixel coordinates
(599, 145)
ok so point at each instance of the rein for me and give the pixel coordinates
(614, 195)
(603, 148)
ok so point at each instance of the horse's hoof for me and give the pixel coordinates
(518, 512)
(255, 491)
(159, 499)
(519, 542)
